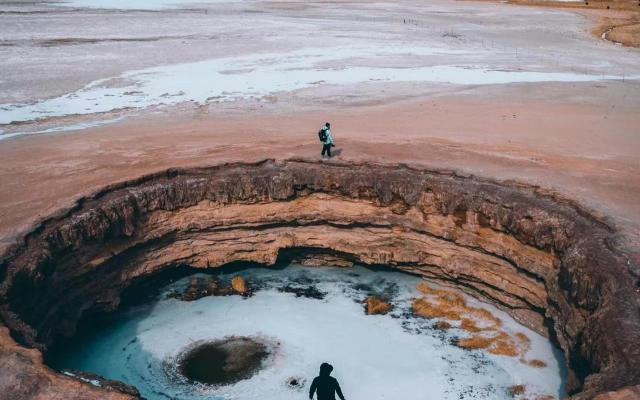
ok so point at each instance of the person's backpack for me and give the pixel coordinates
(322, 134)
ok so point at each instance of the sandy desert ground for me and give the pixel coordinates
(99, 91)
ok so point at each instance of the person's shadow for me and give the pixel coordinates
(336, 152)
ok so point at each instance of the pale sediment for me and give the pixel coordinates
(544, 260)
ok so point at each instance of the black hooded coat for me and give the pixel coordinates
(325, 385)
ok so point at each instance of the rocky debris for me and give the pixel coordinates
(517, 390)
(628, 393)
(321, 259)
(535, 363)
(442, 325)
(376, 305)
(239, 285)
(200, 287)
(309, 292)
(97, 380)
(296, 382)
(541, 258)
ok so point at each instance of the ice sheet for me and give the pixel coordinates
(395, 356)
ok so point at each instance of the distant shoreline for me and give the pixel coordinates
(618, 21)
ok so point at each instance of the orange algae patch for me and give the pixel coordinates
(536, 363)
(424, 308)
(486, 315)
(441, 303)
(504, 347)
(447, 304)
(444, 303)
(442, 325)
(500, 344)
(447, 297)
(469, 325)
(424, 288)
(376, 305)
(523, 339)
(517, 390)
(525, 345)
(475, 342)
(239, 284)
(450, 299)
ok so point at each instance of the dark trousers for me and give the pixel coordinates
(326, 148)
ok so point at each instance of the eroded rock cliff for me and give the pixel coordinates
(546, 261)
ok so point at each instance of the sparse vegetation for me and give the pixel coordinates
(504, 346)
(427, 309)
(474, 342)
(517, 390)
(442, 325)
(239, 284)
(469, 325)
(376, 305)
(424, 288)
(486, 315)
(451, 306)
(536, 363)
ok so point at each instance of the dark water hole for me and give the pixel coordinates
(223, 362)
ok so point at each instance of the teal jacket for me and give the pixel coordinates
(329, 139)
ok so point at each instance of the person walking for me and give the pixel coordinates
(325, 385)
(327, 139)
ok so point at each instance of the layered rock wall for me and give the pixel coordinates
(543, 259)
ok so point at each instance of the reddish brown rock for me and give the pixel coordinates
(24, 376)
(517, 390)
(239, 285)
(628, 393)
(375, 305)
(320, 258)
(442, 325)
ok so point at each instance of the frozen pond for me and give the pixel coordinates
(309, 316)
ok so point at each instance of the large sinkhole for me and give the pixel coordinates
(238, 281)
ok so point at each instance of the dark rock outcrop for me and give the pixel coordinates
(543, 259)
(200, 287)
